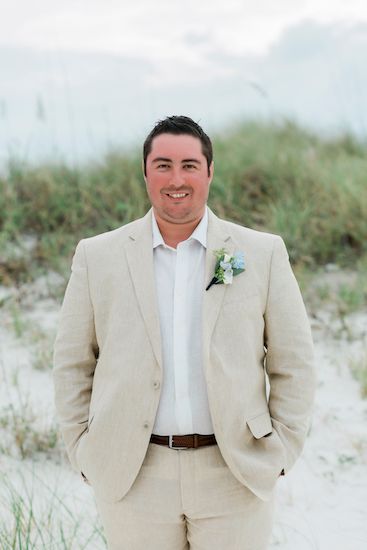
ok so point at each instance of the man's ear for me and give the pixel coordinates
(142, 167)
(211, 171)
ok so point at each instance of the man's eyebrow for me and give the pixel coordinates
(164, 159)
(161, 159)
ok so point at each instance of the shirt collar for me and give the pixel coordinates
(199, 232)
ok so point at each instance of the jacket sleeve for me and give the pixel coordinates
(289, 356)
(75, 356)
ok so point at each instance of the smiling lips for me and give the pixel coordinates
(177, 195)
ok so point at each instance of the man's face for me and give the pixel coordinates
(176, 165)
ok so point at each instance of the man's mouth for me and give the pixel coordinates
(177, 195)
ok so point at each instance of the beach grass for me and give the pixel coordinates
(278, 178)
(35, 515)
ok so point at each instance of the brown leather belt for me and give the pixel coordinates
(189, 441)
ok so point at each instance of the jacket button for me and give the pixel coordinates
(156, 384)
(146, 424)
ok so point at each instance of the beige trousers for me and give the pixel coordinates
(185, 499)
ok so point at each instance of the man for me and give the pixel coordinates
(161, 358)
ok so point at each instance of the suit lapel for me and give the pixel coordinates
(212, 300)
(139, 254)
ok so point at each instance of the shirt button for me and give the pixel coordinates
(156, 384)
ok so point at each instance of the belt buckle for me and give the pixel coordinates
(170, 443)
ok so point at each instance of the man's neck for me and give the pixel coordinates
(174, 233)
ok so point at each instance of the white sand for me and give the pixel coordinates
(321, 502)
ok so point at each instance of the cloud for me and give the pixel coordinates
(162, 28)
(314, 73)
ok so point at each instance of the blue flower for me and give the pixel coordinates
(238, 261)
(226, 267)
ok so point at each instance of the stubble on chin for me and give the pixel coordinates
(184, 216)
(178, 217)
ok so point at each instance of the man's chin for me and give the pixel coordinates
(184, 216)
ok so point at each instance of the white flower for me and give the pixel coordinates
(228, 276)
(225, 265)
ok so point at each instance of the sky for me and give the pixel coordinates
(146, 28)
(83, 75)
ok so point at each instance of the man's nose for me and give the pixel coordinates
(177, 177)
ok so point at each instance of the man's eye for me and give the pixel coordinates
(162, 165)
(190, 166)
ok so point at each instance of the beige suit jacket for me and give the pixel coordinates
(108, 360)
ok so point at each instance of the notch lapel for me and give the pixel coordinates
(139, 254)
(216, 238)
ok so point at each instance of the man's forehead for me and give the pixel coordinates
(176, 146)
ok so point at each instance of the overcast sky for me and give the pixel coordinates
(66, 52)
(162, 27)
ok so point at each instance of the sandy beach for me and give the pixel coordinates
(321, 502)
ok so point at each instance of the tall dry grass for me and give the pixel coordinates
(277, 178)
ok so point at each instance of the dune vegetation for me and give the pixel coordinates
(273, 177)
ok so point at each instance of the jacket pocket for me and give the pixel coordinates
(260, 425)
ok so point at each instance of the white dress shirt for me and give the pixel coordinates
(179, 278)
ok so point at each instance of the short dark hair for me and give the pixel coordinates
(179, 124)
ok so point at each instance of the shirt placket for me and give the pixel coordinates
(180, 352)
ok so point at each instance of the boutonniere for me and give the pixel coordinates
(226, 267)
